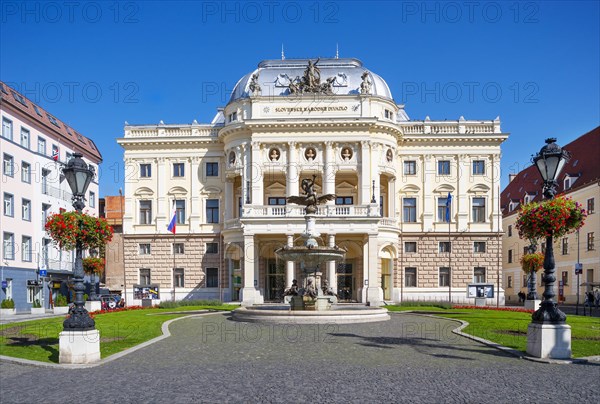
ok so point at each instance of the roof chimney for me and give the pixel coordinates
(511, 177)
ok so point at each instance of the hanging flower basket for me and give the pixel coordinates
(532, 262)
(554, 217)
(65, 228)
(93, 265)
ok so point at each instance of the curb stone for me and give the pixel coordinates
(165, 334)
(511, 351)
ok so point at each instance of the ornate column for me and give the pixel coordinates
(331, 277)
(329, 172)
(462, 197)
(374, 293)
(257, 175)
(246, 173)
(229, 198)
(250, 291)
(427, 207)
(292, 179)
(289, 265)
(194, 198)
(162, 206)
(365, 172)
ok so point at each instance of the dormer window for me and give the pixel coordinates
(512, 206)
(528, 198)
(233, 117)
(388, 114)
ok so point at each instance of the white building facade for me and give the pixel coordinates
(32, 189)
(295, 119)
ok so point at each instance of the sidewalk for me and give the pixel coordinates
(24, 316)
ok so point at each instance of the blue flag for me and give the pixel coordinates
(448, 203)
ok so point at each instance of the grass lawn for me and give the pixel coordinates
(510, 328)
(38, 339)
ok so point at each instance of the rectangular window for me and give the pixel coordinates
(8, 240)
(410, 277)
(7, 129)
(26, 209)
(212, 248)
(510, 256)
(524, 281)
(45, 209)
(178, 278)
(479, 275)
(276, 200)
(180, 211)
(8, 165)
(26, 249)
(344, 200)
(510, 230)
(410, 246)
(92, 199)
(509, 282)
(590, 206)
(445, 247)
(212, 169)
(145, 212)
(410, 210)
(590, 241)
(9, 205)
(25, 172)
(34, 293)
(144, 249)
(52, 120)
(145, 276)
(565, 278)
(212, 211)
(178, 169)
(565, 246)
(525, 250)
(479, 246)
(410, 167)
(212, 277)
(441, 210)
(444, 277)
(178, 248)
(145, 170)
(478, 167)
(444, 167)
(479, 210)
(25, 136)
(543, 247)
(41, 146)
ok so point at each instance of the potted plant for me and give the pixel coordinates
(65, 228)
(37, 308)
(550, 218)
(7, 307)
(60, 305)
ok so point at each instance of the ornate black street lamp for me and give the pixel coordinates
(93, 291)
(79, 175)
(531, 281)
(549, 161)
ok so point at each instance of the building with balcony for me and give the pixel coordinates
(579, 180)
(287, 120)
(34, 145)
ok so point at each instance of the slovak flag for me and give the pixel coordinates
(55, 154)
(448, 203)
(173, 222)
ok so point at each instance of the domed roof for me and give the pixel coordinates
(274, 77)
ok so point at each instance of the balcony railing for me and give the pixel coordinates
(56, 192)
(258, 211)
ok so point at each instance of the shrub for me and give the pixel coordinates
(7, 304)
(61, 301)
(179, 303)
(441, 305)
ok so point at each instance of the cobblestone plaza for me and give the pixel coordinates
(212, 359)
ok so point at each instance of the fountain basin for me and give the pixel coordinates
(281, 313)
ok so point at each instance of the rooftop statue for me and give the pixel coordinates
(310, 198)
(365, 86)
(310, 82)
(254, 86)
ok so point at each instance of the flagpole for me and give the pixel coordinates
(449, 255)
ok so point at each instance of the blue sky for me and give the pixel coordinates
(96, 65)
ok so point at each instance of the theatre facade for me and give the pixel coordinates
(336, 121)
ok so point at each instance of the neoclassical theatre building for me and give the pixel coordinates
(291, 119)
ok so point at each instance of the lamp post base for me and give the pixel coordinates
(79, 347)
(549, 341)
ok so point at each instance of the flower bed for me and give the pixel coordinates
(516, 309)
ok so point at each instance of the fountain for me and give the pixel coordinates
(315, 302)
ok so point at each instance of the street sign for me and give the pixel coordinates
(4, 284)
(43, 273)
(578, 268)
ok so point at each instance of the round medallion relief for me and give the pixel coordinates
(231, 158)
(346, 153)
(274, 154)
(389, 155)
(310, 153)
